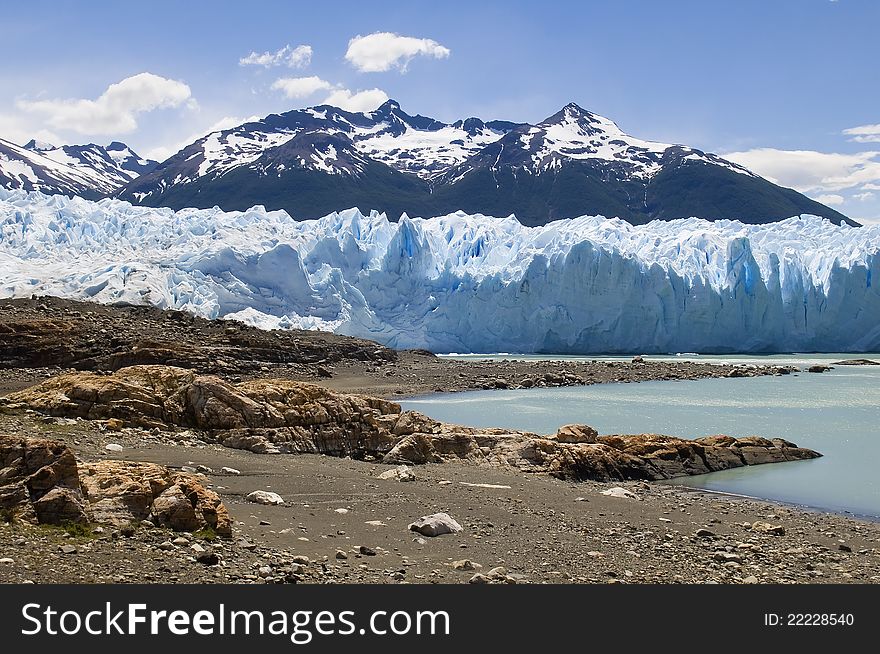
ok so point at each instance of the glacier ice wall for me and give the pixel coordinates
(462, 283)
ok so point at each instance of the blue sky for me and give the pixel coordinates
(774, 84)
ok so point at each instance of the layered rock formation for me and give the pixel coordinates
(280, 416)
(41, 482)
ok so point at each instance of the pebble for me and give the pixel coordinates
(465, 564)
(113, 447)
(229, 471)
(727, 557)
(207, 558)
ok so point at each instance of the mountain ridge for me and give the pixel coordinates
(313, 161)
(91, 171)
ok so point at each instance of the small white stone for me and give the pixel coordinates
(113, 447)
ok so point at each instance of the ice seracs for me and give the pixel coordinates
(463, 283)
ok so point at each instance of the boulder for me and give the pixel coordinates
(435, 524)
(265, 497)
(623, 493)
(400, 473)
(576, 434)
(416, 449)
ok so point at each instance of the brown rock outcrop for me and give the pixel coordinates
(272, 416)
(41, 482)
(121, 492)
(264, 416)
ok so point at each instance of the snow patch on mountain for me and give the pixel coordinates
(463, 283)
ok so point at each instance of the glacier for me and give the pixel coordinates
(462, 283)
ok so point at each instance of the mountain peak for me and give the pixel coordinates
(574, 108)
(388, 106)
(38, 146)
(572, 112)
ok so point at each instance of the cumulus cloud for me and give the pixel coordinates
(301, 87)
(115, 111)
(809, 171)
(830, 199)
(298, 57)
(361, 101)
(864, 133)
(163, 152)
(20, 130)
(864, 197)
(381, 51)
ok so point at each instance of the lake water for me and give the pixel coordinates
(836, 413)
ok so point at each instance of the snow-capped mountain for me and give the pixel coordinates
(314, 161)
(463, 283)
(90, 171)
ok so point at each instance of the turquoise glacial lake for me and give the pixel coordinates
(836, 413)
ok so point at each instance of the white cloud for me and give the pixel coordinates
(830, 199)
(864, 197)
(115, 110)
(19, 130)
(163, 152)
(381, 51)
(298, 57)
(871, 187)
(809, 171)
(361, 101)
(864, 133)
(301, 87)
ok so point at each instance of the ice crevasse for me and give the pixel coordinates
(462, 283)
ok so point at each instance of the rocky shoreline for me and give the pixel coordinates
(191, 409)
(46, 336)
